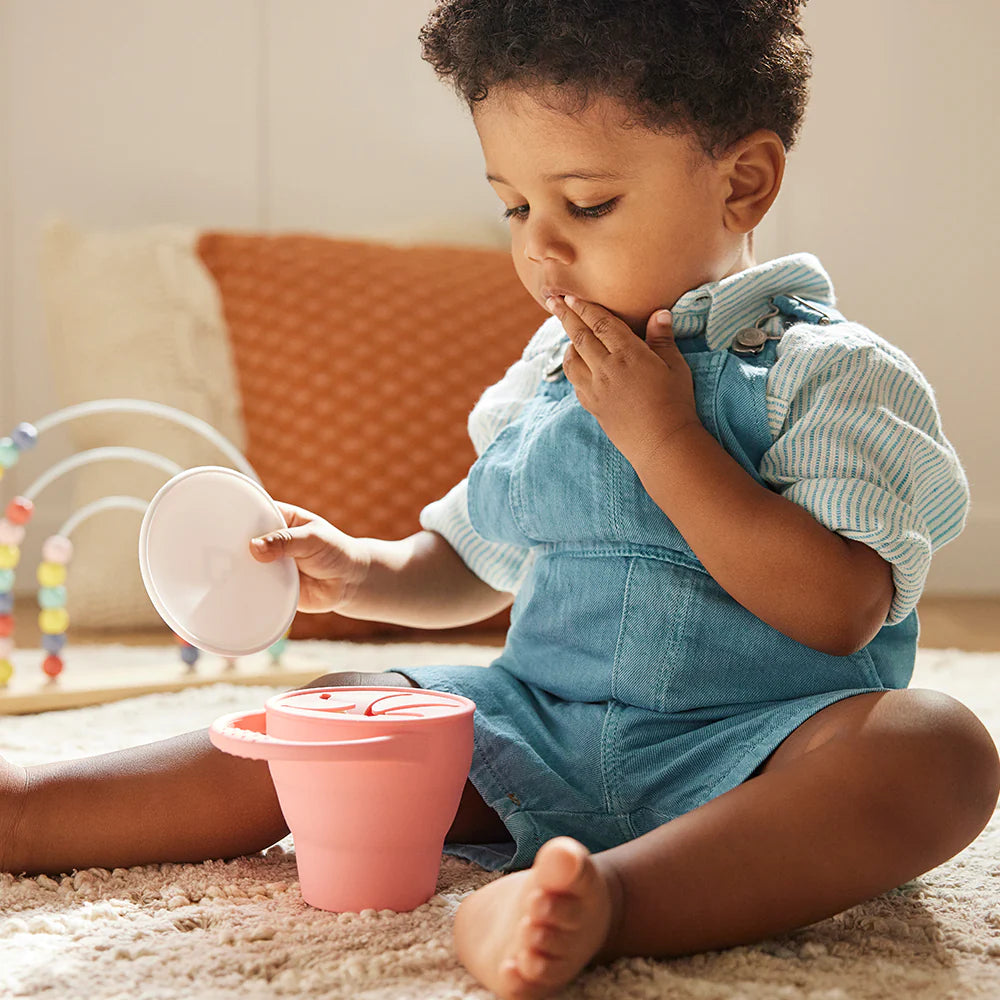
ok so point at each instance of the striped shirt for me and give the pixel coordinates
(857, 439)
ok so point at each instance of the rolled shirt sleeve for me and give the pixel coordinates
(858, 443)
(504, 567)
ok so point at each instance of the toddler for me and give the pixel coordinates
(712, 501)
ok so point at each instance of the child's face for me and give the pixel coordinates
(634, 239)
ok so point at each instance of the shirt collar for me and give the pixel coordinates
(719, 308)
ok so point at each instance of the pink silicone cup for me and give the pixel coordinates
(244, 734)
(368, 780)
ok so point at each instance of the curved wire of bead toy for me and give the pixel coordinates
(57, 551)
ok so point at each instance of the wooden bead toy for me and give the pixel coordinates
(57, 550)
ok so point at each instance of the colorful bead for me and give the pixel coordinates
(6, 626)
(10, 556)
(52, 666)
(52, 621)
(190, 654)
(9, 453)
(6, 647)
(25, 436)
(52, 597)
(51, 574)
(10, 534)
(19, 510)
(57, 549)
(6, 603)
(6, 672)
(54, 643)
(6, 580)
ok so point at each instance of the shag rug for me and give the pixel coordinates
(238, 930)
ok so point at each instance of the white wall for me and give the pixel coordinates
(282, 114)
(895, 188)
(320, 115)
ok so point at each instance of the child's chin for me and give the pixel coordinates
(637, 326)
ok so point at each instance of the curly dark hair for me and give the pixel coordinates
(719, 68)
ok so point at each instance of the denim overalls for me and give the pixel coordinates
(632, 688)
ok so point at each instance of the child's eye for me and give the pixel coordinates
(579, 211)
(517, 212)
(593, 211)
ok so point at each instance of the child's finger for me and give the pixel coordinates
(614, 334)
(269, 547)
(660, 335)
(294, 516)
(587, 345)
(299, 543)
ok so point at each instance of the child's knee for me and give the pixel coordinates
(953, 762)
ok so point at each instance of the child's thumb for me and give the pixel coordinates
(273, 545)
(660, 333)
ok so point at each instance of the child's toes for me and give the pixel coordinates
(556, 909)
(541, 972)
(529, 975)
(561, 864)
(543, 952)
(533, 966)
(552, 941)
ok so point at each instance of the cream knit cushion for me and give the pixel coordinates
(132, 314)
(358, 362)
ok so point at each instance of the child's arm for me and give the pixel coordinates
(418, 581)
(423, 582)
(824, 590)
(768, 553)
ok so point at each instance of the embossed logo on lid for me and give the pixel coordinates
(371, 704)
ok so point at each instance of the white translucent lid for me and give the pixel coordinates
(370, 703)
(194, 554)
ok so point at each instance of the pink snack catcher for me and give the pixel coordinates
(368, 779)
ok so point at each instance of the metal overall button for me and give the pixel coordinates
(751, 339)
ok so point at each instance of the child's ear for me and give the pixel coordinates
(754, 167)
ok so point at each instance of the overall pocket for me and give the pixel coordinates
(687, 645)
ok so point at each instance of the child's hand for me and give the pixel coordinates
(640, 392)
(331, 564)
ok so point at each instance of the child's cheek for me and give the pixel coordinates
(523, 271)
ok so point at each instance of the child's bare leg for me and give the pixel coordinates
(865, 795)
(178, 799)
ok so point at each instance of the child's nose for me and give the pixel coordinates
(544, 241)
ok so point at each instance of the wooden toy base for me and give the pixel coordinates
(101, 673)
(29, 691)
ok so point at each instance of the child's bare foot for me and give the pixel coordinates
(13, 783)
(530, 933)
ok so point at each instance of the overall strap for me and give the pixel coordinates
(803, 311)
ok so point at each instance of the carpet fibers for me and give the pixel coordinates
(238, 930)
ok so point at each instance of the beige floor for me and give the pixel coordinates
(971, 624)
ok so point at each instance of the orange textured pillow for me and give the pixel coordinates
(357, 364)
